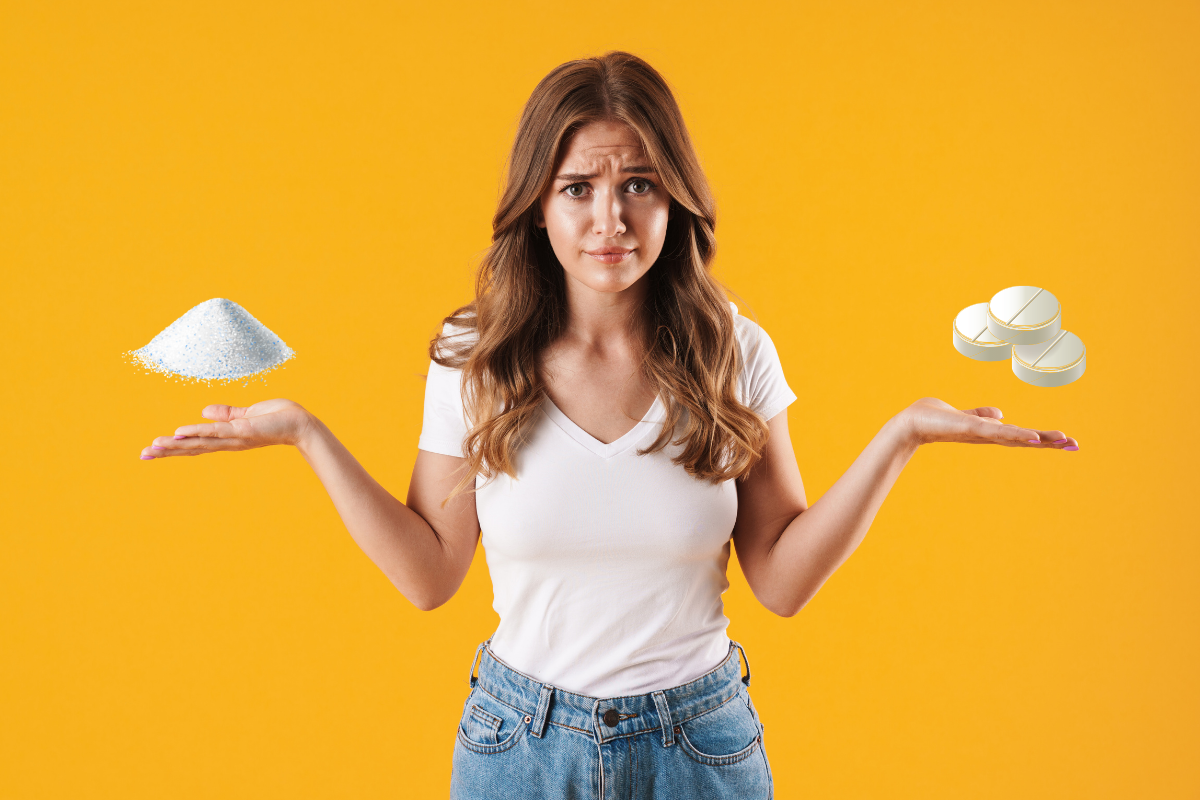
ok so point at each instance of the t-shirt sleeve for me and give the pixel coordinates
(443, 423)
(764, 388)
(443, 426)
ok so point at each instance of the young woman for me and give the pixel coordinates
(610, 423)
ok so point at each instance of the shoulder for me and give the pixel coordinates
(761, 382)
(459, 329)
(454, 343)
(751, 338)
(444, 422)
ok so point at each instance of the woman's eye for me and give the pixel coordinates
(570, 190)
(640, 182)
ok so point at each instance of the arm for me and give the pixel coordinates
(788, 550)
(423, 548)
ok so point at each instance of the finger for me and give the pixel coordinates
(991, 429)
(1056, 440)
(223, 413)
(192, 447)
(984, 412)
(1006, 434)
(216, 430)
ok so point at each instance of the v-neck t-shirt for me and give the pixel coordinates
(607, 566)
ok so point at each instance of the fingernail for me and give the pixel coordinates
(156, 447)
(1059, 441)
(147, 458)
(1072, 447)
(1034, 441)
(180, 437)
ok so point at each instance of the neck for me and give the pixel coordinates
(602, 320)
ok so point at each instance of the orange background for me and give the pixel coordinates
(1016, 623)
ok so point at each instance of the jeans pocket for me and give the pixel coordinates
(482, 726)
(489, 725)
(726, 735)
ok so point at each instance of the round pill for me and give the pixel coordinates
(1024, 315)
(1055, 363)
(973, 339)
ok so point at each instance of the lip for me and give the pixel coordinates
(610, 255)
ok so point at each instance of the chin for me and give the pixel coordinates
(609, 286)
(608, 280)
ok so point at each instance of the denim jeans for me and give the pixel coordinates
(519, 738)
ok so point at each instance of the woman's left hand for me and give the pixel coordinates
(931, 420)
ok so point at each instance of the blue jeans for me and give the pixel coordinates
(519, 738)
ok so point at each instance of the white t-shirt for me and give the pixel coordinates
(607, 567)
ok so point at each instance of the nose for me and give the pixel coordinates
(607, 215)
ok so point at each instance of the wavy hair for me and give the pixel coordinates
(691, 354)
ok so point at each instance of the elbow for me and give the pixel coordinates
(785, 610)
(786, 605)
(424, 598)
(781, 606)
(426, 603)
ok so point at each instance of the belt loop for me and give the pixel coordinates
(538, 726)
(746, 677)
(664, 718)
(598, 736)
(478, 650)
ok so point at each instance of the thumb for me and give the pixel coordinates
(985, 411)
(223, 413)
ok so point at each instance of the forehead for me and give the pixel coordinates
(605, 140)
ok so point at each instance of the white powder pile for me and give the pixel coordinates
(217, 340)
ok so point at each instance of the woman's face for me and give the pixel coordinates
(605, 212)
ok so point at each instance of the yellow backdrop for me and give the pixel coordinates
(1016, 624)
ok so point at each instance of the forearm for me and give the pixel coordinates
(820, 539)
(400, 542)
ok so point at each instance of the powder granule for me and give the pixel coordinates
(217, 340)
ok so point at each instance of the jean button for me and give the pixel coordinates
(611, 718)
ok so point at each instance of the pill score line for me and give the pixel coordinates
(1048, 349)
(1022, 308)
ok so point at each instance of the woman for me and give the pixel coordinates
(611, 424)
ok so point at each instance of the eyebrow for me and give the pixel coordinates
(636, 169)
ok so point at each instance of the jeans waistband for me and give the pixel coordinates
(612, 717)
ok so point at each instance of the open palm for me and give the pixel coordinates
(935, 421)
(235, 428)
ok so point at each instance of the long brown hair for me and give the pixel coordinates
(692, 358)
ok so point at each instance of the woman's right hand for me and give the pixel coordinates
(236, 428)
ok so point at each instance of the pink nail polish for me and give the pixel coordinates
(1072, 447)
(156, 447)
(1059, 441)
(147, 458)
(180, 437)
